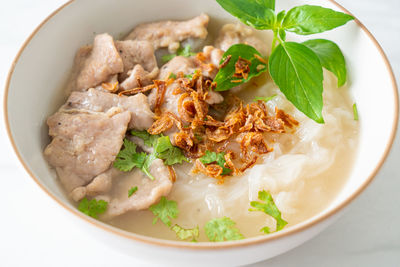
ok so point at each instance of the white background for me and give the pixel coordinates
(35, 231)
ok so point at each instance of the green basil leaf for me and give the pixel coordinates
(330, 56)
(297, 71)
(225, 76)
(256, 13)
(308, 19)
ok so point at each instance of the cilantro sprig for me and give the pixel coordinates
(218, 158)
(268, 206)
(222, 229)
(185, 234)
(128, 158)
(182, 51)
(93, 207)
(165, 210)
(296, 68)
(171, 155)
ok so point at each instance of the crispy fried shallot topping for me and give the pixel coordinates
(199, 131)
(242, 68)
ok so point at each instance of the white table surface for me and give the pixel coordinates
(35, 231)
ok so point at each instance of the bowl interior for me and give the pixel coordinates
(36, 85)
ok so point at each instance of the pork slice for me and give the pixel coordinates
(211, 56)
(99, 65)
(149, 191)
(97, 101)
(170, 33)
(84, 145)
(139, 77)
(231, 34)
(101, 184)
(135, 53)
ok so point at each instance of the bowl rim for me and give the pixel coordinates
(210, 245)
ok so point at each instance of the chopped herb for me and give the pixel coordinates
(269, 208)
(172, 76)
(219, 158)
(222, 229)
(266, 98)
(149, 139)
(165, 210)
(171, 155)
(132, 191)
(93, 207)
(184, 52)
(128, 158)
(185, 234)
(265, 230)
(189, 76)
(355, 112)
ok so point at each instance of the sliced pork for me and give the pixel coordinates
(97, 101)
(149, 191)
(171, 33)
(97, 64)
(84, 145)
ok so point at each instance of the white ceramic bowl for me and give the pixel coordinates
(36, 79)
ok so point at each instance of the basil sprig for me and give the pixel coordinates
(296, 68)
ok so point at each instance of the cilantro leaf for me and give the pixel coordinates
(124, 161)
(265, 230)
(148, 139)
(172, 76)
(355, 112)
(184, 52)
(219, 158)
(222, 229)
(185, 234)
(165, 210)
(269, 208)
(93, 207)
(169, 153)
(128, 158)
(265, 98)
(132, 190)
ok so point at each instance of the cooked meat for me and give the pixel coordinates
(135, 53)
(97, 101)
(101, 184)
(206, 61)
(148, 193)
(170, 33)
(84, 145)
(96, 65)
(231, 34)
(139, 77)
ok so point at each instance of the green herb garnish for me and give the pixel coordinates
(295, 67)
(227, 77)
(172, 76)
(165, 210)
(266, 98)
(185, 234)
(219, 158)
(184, 52)
(171, 155)
(128, 158)
(222, 229)
(269, 208)
(355, 112)
(93, 207)
(132, 190)
(149, 139)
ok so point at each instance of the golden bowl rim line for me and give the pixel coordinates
(211, 245)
